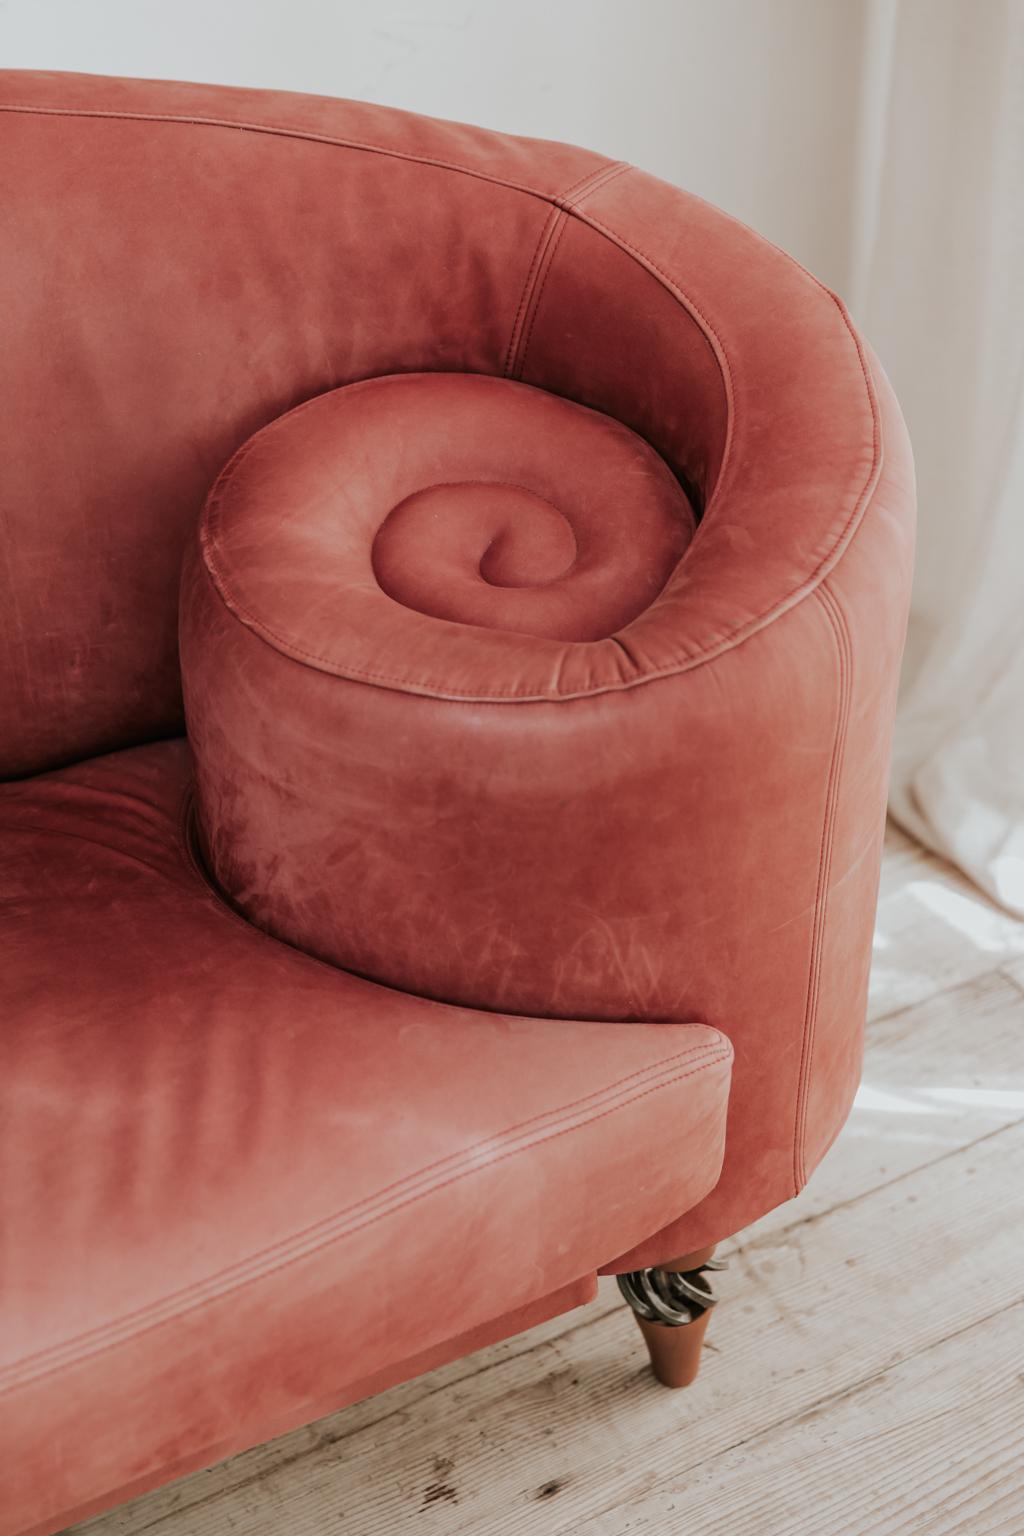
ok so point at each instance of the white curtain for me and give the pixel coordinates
(938, 286)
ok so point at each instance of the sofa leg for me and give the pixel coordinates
(672, 1305)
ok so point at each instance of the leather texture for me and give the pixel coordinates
(540, 664)
(514, 1322)
(239, 1182)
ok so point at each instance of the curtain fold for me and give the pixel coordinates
(938, 286)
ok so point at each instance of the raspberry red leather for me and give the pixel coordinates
(453, 595)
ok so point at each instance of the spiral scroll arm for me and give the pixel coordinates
(671, 1297)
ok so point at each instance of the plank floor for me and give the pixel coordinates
(865, 1368)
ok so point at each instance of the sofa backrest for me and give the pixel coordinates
(184, 263)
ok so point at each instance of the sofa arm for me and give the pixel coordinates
(477, 713)
(385, 582)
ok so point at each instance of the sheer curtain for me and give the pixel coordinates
(938, 286)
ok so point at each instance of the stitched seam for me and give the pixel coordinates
(569, 202)
(837, 623)
(544, 254)
(600, 175)
(555, 243)
(527, 289)
(498, 696)
(17, 1376)
(181, 819)
(590, 183)
(726, 367)
(279, 130)
(553, 231)
(716, 648)
(591, 179)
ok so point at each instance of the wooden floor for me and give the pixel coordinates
(864, 1373)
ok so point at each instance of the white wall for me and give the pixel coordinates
(751, 103)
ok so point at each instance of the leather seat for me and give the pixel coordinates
(220, 1154)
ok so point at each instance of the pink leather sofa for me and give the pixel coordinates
(500, 850)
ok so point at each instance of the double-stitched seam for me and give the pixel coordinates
(543, 256)
(592, 182)
(844, 655)
(569, 203)
(563, 221)
(552, 235)
(364, 1214)
(685, 663)
(705, 324)
(496, 695)
(556, 216)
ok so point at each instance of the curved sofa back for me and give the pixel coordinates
(189, 262)
(183, 264)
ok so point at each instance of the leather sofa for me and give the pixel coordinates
(477, 894)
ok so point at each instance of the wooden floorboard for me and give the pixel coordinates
(930, 1445)
(865, 1369)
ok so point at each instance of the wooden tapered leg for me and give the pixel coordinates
(675, 1351)
(672, 1305)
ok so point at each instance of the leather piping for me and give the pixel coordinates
(844, 654)
(365, 1213)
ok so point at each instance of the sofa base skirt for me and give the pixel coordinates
(504, 1327)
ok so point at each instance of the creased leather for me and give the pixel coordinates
(543, 805)
(237, 1180)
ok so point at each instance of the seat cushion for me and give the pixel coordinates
(234, 1179)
